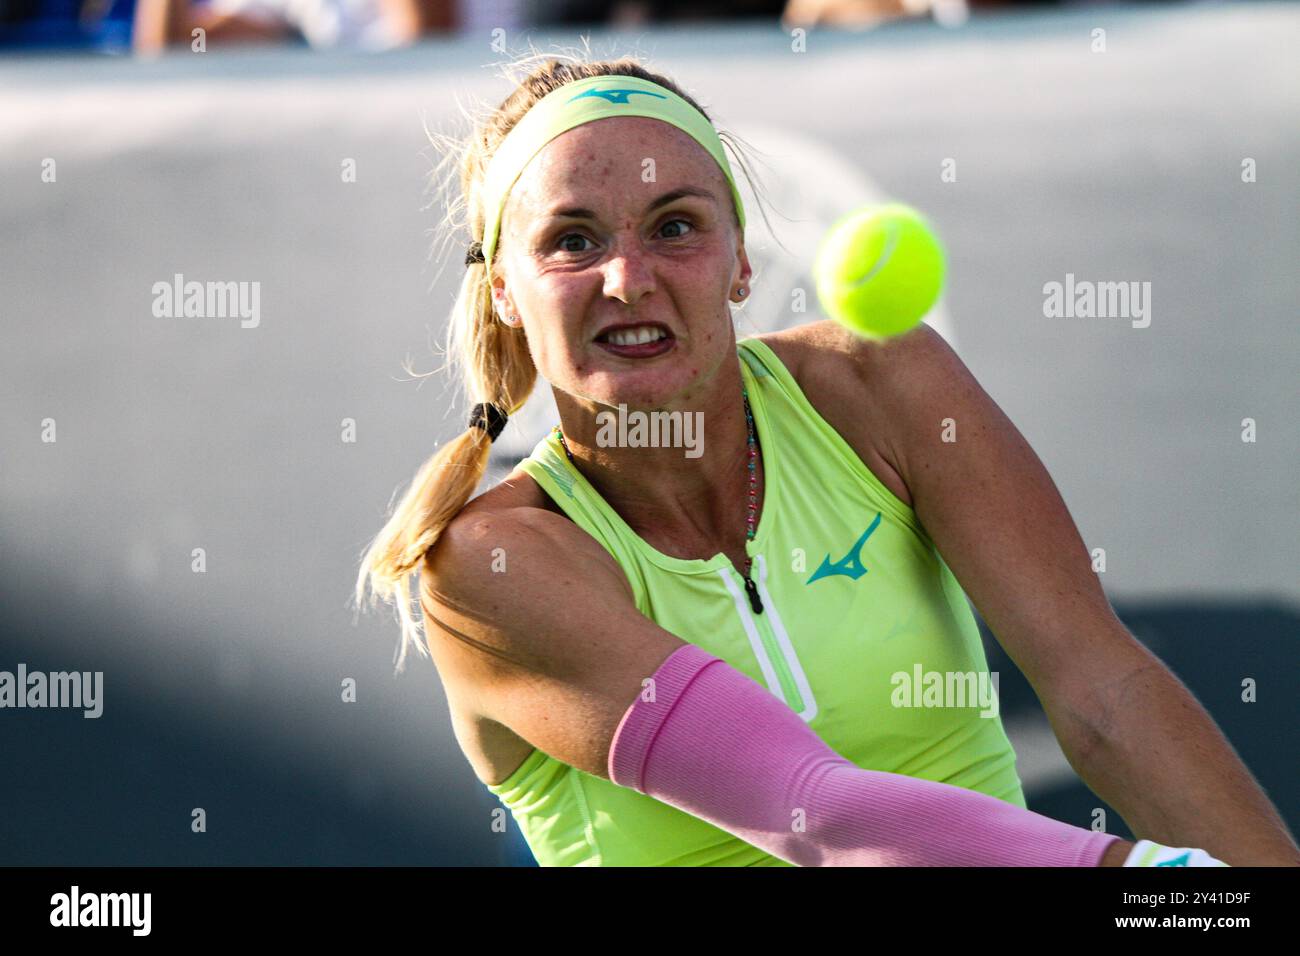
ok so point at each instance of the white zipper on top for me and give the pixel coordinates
(770, 641)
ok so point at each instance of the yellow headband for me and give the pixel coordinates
(597, 97)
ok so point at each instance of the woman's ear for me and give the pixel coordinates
(740, 291)
(502, 305)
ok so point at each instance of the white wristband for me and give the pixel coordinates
(1146, 853)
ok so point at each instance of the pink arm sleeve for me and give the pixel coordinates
(720, 747)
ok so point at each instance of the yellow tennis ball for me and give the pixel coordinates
(879, 270)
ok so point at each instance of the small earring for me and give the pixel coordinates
(741, 291)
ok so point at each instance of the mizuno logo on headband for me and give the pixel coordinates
(616, 96)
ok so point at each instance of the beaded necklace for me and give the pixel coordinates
(751, 520)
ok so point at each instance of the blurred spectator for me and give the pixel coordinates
(792, 13)
(66, 24)
(846, 13)
(633, 12)
(358, 24)
(858, 14)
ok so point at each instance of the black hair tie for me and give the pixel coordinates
(489, 418)
(475, 253)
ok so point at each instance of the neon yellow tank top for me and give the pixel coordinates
(854, 594)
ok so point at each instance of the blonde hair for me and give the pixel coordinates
(493, 358)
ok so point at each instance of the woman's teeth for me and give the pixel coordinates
(635, 336)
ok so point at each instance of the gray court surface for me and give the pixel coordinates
(222, 689)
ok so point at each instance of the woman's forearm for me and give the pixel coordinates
(1147, 747)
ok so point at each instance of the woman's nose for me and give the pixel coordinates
(628, 275)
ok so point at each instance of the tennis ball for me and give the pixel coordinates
(879, 270)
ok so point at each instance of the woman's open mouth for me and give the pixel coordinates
(637, 341)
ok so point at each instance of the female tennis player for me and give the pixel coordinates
(688, 652)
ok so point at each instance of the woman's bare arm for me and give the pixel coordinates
(1128, 726)
(552, 646)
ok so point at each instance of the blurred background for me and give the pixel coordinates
(284, 144)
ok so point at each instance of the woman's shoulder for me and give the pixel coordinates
(826, 347)
(517, 501)
(517, 490)
(839, 374)
(517, 510)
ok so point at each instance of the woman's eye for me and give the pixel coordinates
(569, 236)
(671, 222)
